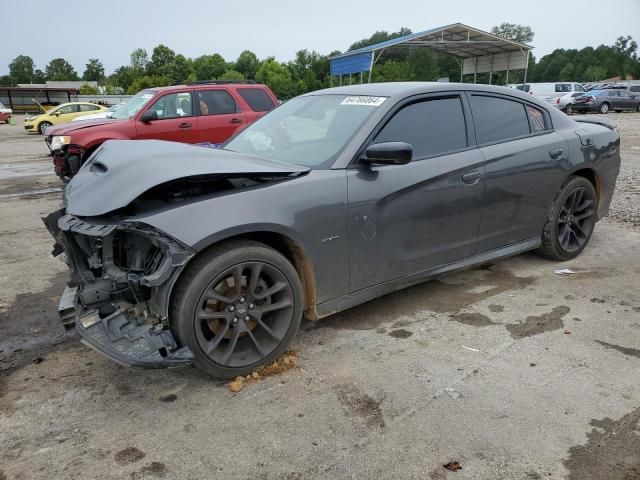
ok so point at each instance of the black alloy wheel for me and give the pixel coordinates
(576, 220)
(570, 220)
(237, 308)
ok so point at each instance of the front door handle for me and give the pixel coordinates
(471, 178)
(556, 153)
(185, 125)
(235, 120)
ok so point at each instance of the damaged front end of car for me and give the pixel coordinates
(117, 297)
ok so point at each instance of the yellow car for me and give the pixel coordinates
(61, 114)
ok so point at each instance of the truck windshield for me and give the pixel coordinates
(133, 105)
(309, 131)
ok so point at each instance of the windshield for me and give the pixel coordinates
(133, 105)
(309, 131)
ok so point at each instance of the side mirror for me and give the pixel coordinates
(149, 116)
(388, 153)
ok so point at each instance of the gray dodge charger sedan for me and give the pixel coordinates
(187, 254)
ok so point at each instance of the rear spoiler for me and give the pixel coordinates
(598, 121)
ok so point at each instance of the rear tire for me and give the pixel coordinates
(237, 307)
(604, 108)
(568, 109)
(570, 220)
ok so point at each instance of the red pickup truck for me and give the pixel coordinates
(198, 112)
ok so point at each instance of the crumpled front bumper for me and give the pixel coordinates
(133, 334)
(119, 338)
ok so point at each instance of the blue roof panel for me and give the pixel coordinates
(358, 62)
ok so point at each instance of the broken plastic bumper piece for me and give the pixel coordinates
(121, 338)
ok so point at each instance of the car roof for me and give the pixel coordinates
(205, 85)
(406, 89)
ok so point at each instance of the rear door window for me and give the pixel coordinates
(258, 99)
(216, 102)
(431, 127)
(498, 119)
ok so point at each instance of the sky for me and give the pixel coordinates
(81, 29)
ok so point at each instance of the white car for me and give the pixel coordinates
(96, 116)
(565, 102)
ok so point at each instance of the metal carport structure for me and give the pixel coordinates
(476, 51)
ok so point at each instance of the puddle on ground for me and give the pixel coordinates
(359, 404)
(450, 293)
(30, 327)
(612, 451)
(537, 324)
(400, 333)
(633, 352)
(473, 319)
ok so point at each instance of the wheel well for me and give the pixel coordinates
(592, 176)
(296, 255)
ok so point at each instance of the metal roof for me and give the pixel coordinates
(480, 51)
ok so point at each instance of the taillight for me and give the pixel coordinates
(558, 100)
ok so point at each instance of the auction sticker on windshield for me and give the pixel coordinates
(364, 100)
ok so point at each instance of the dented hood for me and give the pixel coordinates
(122, 170)
(67, 128)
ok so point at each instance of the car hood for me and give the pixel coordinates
(67, 128)
(122, 170)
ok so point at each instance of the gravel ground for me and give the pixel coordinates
(508, 371)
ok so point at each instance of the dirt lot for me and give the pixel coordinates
(511, 370)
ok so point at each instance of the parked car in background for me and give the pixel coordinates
(183, 254)
(5, 113)
(102, 114)
(549, 92)
(565, 102)
(63, 113)
(198, 112)
(605, 100)
(633, 89)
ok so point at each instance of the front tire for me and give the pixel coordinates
(604, 108)
(570, 220)
(237, 307)
(43, 126)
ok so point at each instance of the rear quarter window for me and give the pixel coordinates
(498, 119)
(257, 98)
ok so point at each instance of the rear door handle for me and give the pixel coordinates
(556, 153)
(235, 120)
(471, 178)
(185, 125)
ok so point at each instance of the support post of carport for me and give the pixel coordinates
(526, 68)
(10, 100)
(373, 53)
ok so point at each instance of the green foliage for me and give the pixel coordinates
(94, 70)
(515, 32)
(594, 73)
(378, 37)
(148, 82)
(139, 59)
(247, 64)
(232, 75)
(60, 69)
(277, 77)
(393, 71)
(88, 90)
(162, 60)
(209, 67)
(180, 69)
(21, 70)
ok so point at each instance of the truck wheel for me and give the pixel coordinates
(43, 126)
(570, 220)
(236, 307)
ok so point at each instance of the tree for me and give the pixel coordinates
(208, 67)
(380, 36)
(60, 69)
(21, 69)
(94, 71)
(595, 73)
(567, 72)
(88, 90)
(148, 82)
(180, 69)
(247, 64)
(162, 60)
(515, 32)
(277, 77)
(232, 75)
(139, 59)
(626, 46)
